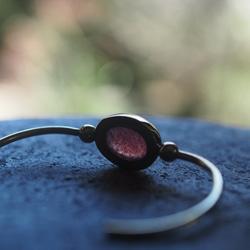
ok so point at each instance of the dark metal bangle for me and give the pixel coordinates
(133, 143)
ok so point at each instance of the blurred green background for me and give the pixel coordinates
(186, 58)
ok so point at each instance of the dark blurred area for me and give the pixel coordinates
(177, 58)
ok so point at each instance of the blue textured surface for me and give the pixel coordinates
(57, 191)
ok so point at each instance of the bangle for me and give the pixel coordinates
(133, 143)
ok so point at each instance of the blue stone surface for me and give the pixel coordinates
(56, 191)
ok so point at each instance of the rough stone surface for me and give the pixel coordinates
(56, 191)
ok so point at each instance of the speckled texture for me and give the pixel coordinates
(126, 143)
(56, 191)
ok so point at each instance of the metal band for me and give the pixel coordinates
(170, 222)
(38, 131)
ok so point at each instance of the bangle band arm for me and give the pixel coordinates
(38, 131)
(170, 222)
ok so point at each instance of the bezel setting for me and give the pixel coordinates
(136, 123)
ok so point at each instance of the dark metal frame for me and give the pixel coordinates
(141, 126)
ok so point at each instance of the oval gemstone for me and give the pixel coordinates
(126, 143)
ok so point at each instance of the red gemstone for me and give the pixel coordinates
(126, 143)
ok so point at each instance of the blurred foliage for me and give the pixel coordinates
(178, 58)
(10, 8)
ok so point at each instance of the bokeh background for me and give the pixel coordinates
(187, 58)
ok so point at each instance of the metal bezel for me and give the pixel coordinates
(136, 123)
